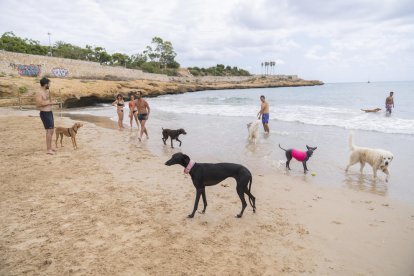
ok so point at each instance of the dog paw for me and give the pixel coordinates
(190, 216)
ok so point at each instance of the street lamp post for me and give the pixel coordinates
(50, 45)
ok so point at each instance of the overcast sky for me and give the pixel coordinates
(332, 41)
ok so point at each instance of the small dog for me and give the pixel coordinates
(371, 110)
(253, 129)
(301, 156)
(173, 134)
(69, 132)
(379, 159)
(206, 174)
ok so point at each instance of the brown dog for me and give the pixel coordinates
(173, 134)
(371, 110)
(69, 132)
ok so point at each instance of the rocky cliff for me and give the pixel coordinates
(85, 92)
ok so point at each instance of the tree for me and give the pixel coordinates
(10, 42)
(119, 59)
(135, 61)
(162, 52)
(67, 50)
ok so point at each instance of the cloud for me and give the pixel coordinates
(313, 39)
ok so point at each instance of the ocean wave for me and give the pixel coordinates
(311, 115)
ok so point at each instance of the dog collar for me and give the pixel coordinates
(189, 167)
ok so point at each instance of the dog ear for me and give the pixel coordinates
(185, 158)
(307, 147)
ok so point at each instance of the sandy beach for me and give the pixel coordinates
(113, 208)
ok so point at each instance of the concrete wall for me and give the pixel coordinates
(33, 65)
(38, 66)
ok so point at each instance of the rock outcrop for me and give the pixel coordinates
(86, 92)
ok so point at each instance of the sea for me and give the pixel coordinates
(322, 116)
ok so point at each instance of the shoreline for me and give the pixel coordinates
(103, 210)
(87, 92)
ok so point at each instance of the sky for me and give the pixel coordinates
(331, 41)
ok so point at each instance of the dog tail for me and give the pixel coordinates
(350, 141)
(250, 188)
(281, 148)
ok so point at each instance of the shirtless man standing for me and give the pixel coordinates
(143, 113)
(44, 104)
(264, 113)
(389, 103)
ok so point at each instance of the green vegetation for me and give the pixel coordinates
(218, 70)
(23, 89)
(158, 57)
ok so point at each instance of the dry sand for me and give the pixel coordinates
(112, 208)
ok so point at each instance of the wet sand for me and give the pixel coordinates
(111, 207)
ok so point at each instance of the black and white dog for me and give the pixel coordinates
(301, 156)
(207, 174)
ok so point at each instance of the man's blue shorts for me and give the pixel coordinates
(47, 119)
(265, 118)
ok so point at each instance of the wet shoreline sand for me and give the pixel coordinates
(112, 207)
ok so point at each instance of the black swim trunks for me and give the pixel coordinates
(47, 119)
(142, 116)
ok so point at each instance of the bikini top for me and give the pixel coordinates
(120, 104)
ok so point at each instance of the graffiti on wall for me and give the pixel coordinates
(60, 72)
(31, 70)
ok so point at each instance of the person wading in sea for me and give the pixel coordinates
(264, 113)
(389, 103)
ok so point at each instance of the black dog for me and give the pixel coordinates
(205, 174)
(301, 156)
(173, 134)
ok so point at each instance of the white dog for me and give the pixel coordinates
(253, 129)
(379, 159)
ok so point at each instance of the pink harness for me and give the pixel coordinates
(189, 167)
(299, 155)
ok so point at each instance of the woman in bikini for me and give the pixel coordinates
(119, 103)
(133, 111)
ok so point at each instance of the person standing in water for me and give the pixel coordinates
(264, 113)
(389, 103)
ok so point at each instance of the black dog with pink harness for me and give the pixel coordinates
(301, 156)
(207, 174)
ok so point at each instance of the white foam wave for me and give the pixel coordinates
(313, 115)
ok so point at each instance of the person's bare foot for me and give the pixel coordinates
(50, 152)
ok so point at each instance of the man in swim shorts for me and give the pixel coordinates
(389, 103)
(44, 104)
(264, 113)
(143, 113)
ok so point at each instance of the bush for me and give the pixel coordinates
(23, 89)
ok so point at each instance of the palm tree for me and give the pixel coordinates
(262, 68)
